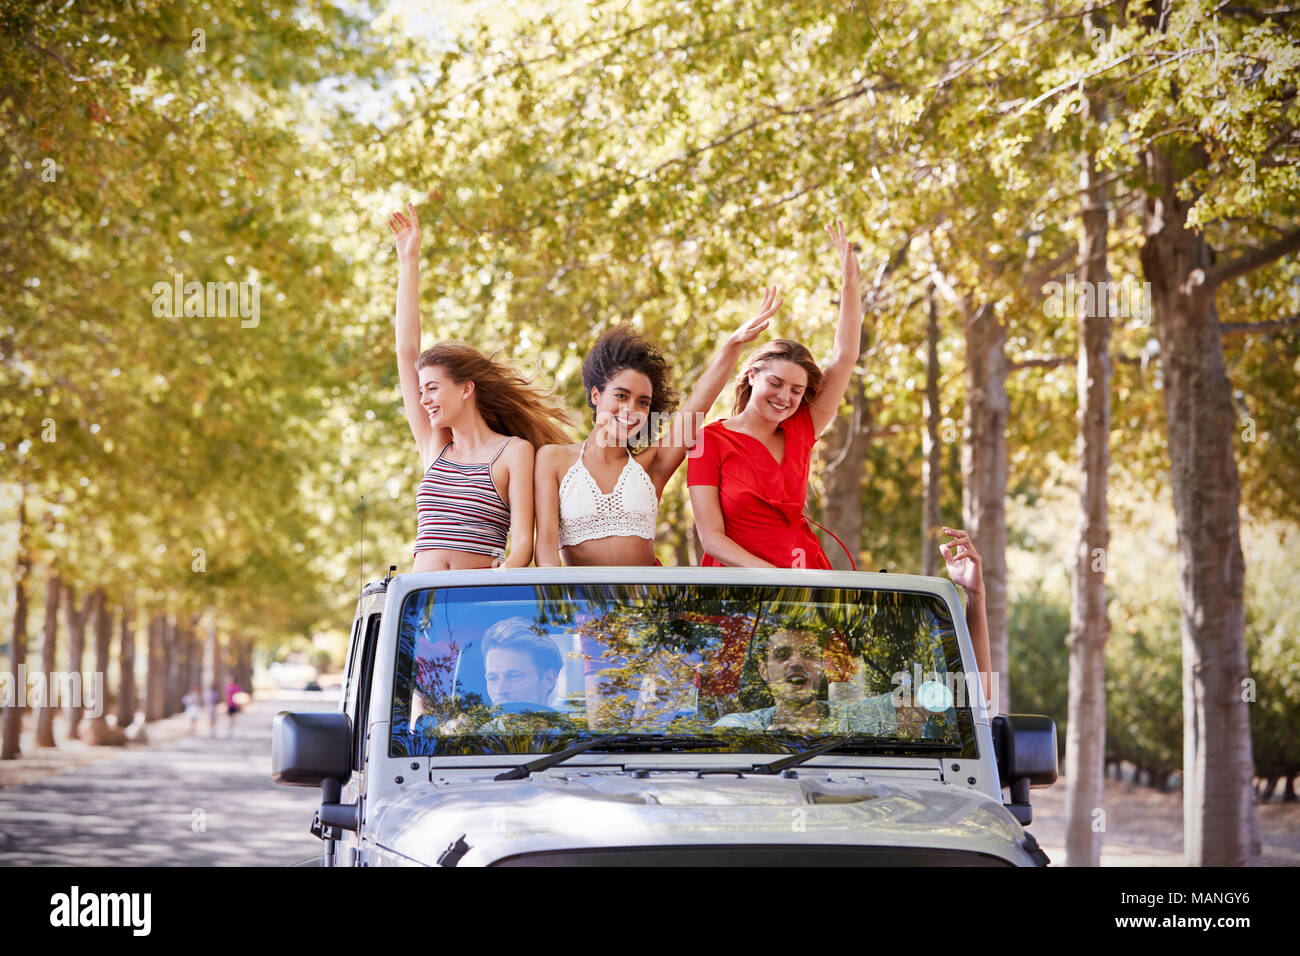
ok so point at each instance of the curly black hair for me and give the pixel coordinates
(622, 348)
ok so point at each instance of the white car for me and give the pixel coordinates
(665, 716)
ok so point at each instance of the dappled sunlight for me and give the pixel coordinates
(138, 808)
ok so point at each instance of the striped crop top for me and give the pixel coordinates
(459, 508)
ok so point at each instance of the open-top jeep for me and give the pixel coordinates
(680, 716)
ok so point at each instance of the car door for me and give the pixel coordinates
(357, 706)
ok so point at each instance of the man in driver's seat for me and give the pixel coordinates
(520, 665)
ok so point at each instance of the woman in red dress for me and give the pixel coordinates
(748, 475)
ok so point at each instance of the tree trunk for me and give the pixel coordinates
(683, 530)
(1085, 746)
(844, 447)
(76, 651)
(931, 447)
(13, 712)
(1219, 813)
(695, 548)
(193, 657)
(154, 705)
(244, 665)
(126, 696)
(844, 450)
(198, 642)
(171, 655)
(984, 476)
(49, 662)
(844, 456)
(217, 673)
(1266, 792)
(90, 618)
(103, 646)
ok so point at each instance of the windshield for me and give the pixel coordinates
(529, 669)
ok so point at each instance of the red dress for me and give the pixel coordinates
(762, 502)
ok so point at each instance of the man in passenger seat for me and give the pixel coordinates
(792, 662)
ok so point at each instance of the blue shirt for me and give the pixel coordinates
(872, 715)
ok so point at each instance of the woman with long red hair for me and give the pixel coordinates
(477, 424)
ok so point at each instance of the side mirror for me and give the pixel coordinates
(309, 748)
(315, 750)
(1025, 748)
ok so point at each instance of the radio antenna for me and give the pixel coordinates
(361, 565)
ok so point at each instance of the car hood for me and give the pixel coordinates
(489, 820)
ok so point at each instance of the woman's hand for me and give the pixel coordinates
(706, 504)
(848, 335)
(750, 330)
(406, 230)
(665, 457)
(407, 324)
(964, 563)
(844, 249)
(965, 566)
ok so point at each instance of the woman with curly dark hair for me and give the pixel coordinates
(628, 451)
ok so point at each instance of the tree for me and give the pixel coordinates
(49, 663)
(1085, 750)
(1186, 188)
(77, 620)
(13, 712)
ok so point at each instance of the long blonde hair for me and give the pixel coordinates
(508, 402)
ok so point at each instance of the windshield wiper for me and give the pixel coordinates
(860, 744)
(636, 742)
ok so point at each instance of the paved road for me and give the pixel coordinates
(197, 801)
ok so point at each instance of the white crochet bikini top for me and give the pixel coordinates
(586, 512)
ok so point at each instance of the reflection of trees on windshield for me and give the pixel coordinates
(699, 642)
(646, 672)
(659, 657)
(883, 631)
(424, 699)
(402, 690)
(672, 658)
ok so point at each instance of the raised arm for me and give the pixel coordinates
(406, 231)
(967, 571)
(518, 457)
(691, 413)
(848, 335)
(707, 507)
(546, 506)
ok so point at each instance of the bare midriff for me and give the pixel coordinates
(444, 559)
(614, 550)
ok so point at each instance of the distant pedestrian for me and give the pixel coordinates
(232, 704)
(193, 702)
(213, 698)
